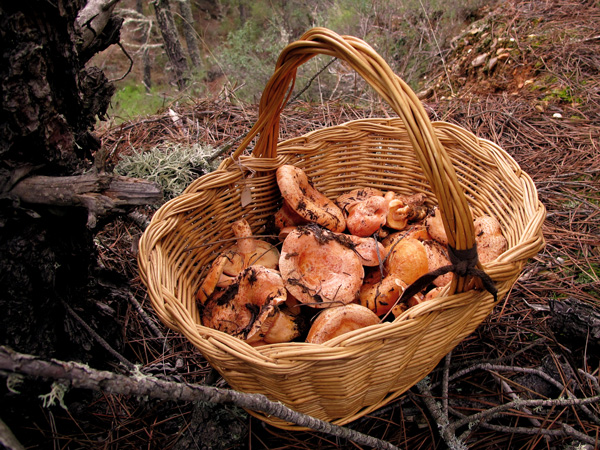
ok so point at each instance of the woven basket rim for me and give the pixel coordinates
(443, 301)
(160, 249)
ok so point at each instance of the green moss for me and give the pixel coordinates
(590, 276)
(172, 166)
(563, 94)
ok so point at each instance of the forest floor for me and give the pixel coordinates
(527, 77)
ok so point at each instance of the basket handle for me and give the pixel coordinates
(432, 156)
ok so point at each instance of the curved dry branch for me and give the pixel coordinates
(84, 377)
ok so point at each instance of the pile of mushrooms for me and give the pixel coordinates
(343, 264)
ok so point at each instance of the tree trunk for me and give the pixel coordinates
(146, 60)
(173, 46)
(190, 33)
(49, 106)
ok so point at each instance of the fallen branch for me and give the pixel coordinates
(98, 338)
(8, 439)
(448, 428)
(98, 193)
(447, 431)
(83, 377)
(93, 18)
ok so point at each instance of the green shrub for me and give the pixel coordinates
(250, 55)
(131, 100)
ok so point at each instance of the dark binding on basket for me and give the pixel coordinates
(463, 263)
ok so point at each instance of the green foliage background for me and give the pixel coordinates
(241, 44)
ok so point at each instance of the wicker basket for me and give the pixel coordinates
(361, 371)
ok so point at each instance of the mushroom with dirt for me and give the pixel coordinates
(404, 209)
(437, 256)
(247, 308)
(253, 251)
(368, 216)
(380, 294)
(348, 199)
(407, 260)
(222, 272)
(306, 201)
(489, 239)
(287, 217)
(435, 226)
(319, 268)
(370, 251)
(247, 251)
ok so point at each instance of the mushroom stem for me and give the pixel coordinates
(242, 231)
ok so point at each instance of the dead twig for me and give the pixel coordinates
(99, 338)
(8, 439)
(84, 377)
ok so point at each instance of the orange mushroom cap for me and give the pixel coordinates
(253, 251)
(397, 216)
(287, 217)
(333, 322)
(284, 328)
(247, 308)
(302, 197)
(222, 271)
(367, 216)
(381, 295)
(370, 251)
(433, 293)
(407, 260)
(437, 256)
(318, 269)
(488, 236)
(435, 226)
(414, 231)
(346, 200)
(404, 209)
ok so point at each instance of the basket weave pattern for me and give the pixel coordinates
(358, 372)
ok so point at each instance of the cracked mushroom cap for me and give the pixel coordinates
(247, 308)
(333, 322)
(306, 201)
(318, 269)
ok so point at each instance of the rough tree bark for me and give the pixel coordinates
(48, 108)
(143, 41)
(51, 190)
(173, 46)
(49, 104)
(185, 9)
